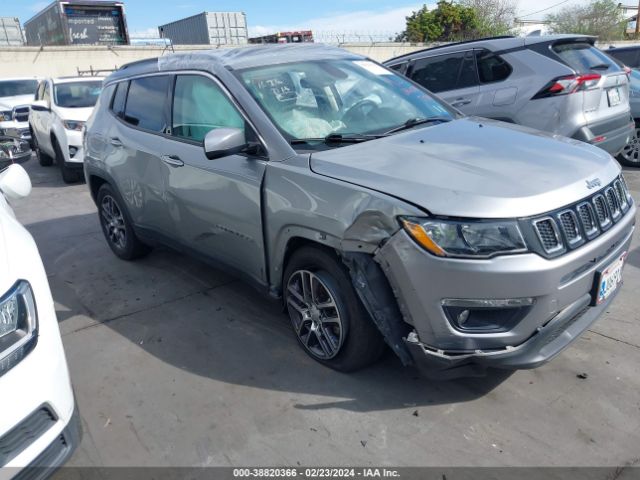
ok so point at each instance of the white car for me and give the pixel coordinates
(16, 94)
(39, 422)
(57, 117)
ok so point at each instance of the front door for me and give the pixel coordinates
(452, 77)
(215, 205)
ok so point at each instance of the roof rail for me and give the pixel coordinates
(497, 37)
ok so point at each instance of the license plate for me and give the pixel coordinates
(609, 280)
(613, 95)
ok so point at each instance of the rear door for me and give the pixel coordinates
(607, 96)
(452, 76)
(498, 88)
(136, 144)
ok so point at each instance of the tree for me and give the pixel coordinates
(447, 22)
(495, 17)
(602, 18)
(460, 20)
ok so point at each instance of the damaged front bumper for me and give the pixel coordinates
(545, 343)
(560, 290)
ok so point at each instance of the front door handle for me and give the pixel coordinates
(115, 141)
(459, 102)
(172, 160)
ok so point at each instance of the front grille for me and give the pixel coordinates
(51, 457)
(21, 114)
(572, 226)
(548, 234)
(25, 433)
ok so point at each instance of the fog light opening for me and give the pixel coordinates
(486, 315)
(73, 151)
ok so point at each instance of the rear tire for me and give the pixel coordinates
(117, 227)
(69, 175)
(43, 159)
(629, 156)
(327, 317)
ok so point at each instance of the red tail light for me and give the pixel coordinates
(569, 84)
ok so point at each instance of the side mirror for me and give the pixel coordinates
(224, 141)
(15, 182)
(40, 106)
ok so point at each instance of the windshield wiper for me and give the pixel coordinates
(413, 122)
(600, 66)
(336, 138)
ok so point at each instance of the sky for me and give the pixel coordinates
(268, 16)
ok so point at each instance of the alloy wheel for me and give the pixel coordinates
(631, 151)
(113, 222)
(314, 314)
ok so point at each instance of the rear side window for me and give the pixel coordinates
(584, 57)
(628, 57)
(445, 72)
(146, 103)
(119, 99)
(491, 67)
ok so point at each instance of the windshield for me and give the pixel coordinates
(77, 94)
(316, 99)
(584, 57)
(13, 88)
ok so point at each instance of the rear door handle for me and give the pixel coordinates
(115, 141)
(172, 160)
(459, 102)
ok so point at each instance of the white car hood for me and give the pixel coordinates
(7, 103)
(77, 114)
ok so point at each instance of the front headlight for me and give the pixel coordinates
(465, 238)
(5, 116)
(73, 125)
(18, 325)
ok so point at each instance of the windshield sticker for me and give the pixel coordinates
(372, 67)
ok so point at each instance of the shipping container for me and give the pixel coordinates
(10, 32)
(207, 28)
(302, 36)
(76, 22)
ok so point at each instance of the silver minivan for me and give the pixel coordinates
(374, 211)
(560, 84)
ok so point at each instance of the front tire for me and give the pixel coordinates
(69, 175)
(117, 227)
(629, 156)
(326, 314)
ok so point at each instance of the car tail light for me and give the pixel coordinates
(569, 84)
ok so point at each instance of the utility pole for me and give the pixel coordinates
(637, 22)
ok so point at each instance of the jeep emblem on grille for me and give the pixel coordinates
(593, 183)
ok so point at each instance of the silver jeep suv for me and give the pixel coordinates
(376, 213)
(560, 84)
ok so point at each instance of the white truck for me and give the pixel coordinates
(16, 94)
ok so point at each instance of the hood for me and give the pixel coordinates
(77, 114)
(472, 168)
(7, 103)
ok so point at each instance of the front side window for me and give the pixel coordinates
(199, 106)
(445, 72)
(314, 99)
(40, 91)
(491, 67)
(13, 88)
(147, 103)
(77, 94)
